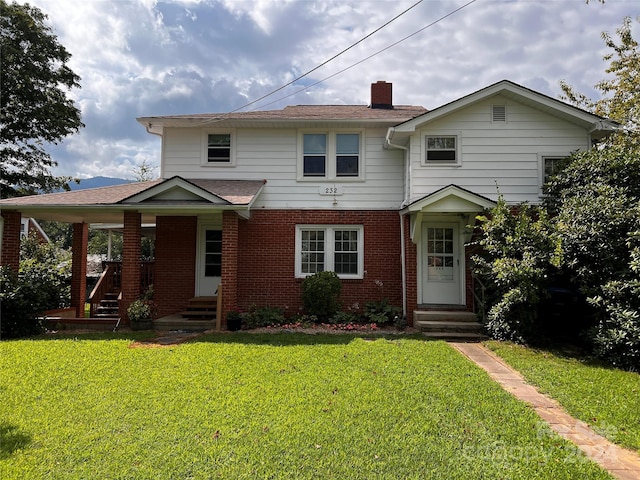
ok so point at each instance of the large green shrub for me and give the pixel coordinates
(519, 256)
(321, 295)
(596, 202)
(19, 314)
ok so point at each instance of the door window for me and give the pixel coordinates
(440, 254)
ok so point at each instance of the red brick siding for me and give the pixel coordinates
(11, 240)
(266, 263)
(79, 267)
(131, 256)
(411, 265)
(175, 260)
(230, 254)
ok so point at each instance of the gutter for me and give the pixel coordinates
(407, 178)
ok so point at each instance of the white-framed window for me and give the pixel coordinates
(441, 149)
(331, 155)
(218, 148)
(336, 248)
(550, 164)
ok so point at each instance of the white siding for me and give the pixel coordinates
(271, 154)
(497, 158)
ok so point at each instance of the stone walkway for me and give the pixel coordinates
(621, 463)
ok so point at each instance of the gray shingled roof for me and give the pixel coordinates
(236, 192)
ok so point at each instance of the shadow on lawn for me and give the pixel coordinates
(12, 439)
(296, 338)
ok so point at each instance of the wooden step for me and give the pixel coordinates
(201, 308)
(184, 324)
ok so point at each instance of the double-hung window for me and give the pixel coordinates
(315, 154)
(441, 149)
(551, 165)
(218, 149)
(330, 155)
(337, 248)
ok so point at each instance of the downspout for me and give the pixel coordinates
(407, 184)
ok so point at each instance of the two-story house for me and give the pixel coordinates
(251, 203)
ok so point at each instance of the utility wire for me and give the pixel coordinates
(329, 60)
(363, 60)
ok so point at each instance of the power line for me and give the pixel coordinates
(329, 60)
(361, 61)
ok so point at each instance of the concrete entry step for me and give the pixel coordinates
(444, 316)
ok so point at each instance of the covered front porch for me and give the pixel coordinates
(178, 208)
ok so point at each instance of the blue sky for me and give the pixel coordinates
(146, 57)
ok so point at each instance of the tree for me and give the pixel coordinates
(144, 172)
(35, 108)
(621, 93)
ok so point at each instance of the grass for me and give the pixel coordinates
(266, 406)
(606, 398)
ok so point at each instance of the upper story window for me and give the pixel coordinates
(315, 154)
(330, 155)
(347, 154)
(218, 149)
(441, 150)
(551, 165)
(337, 248)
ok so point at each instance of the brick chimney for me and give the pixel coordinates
(381, 95)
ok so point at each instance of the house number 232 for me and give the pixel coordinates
(332, 190)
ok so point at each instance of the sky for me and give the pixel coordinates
(148, 57)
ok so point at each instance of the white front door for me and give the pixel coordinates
(441, 266)
(209, 268)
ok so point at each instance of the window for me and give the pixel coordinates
(330, 155)
(441, 149)
(315, 154)
(337, 248)
(550, 165)
(217, 149)
(347, 154)
(213, 253)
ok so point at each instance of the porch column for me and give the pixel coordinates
(130, 261)
(411, 265)
(11, 240)
(79, 267)
(229, 262)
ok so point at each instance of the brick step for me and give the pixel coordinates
(185, 324)
(444, 316)
(197, 314)
(457, 336)
(445, 326)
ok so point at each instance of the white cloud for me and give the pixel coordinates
(148, 57)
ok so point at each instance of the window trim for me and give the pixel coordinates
(204, 160)
(541, 164)
(329, 251)
(441, 163)
(331, 173)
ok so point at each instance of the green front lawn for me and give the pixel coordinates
(266, 406)
(606, 398)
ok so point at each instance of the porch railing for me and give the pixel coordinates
(479, 298)
(110, 282)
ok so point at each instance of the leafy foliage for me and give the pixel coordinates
(321, 295)
(35, 108)
(520, 255)
(258, 317)
(47, 269)
(381, 312)
(18, 311)
(620, 96)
